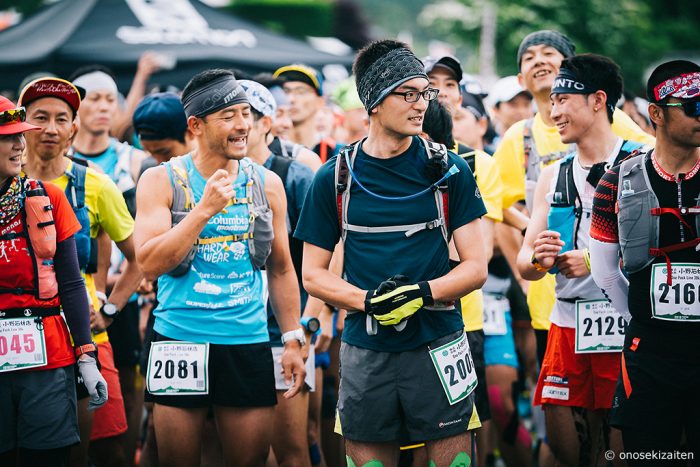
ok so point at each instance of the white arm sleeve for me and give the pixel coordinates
(605, 269)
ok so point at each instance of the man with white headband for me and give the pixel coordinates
(120, 161)
(646, 211)
(207, 223)
(397, 200)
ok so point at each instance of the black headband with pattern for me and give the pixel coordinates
(386, 74)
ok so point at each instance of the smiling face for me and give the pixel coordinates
(399, 117)
(224, 132)
(11, 149)
(573, 115)
(55, 118)
(539, 66)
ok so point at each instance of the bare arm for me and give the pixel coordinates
(160, 246)
(326, 285)
(130, 278)
(282, 280)
(104, 253)
(283, 285)
(310, 159)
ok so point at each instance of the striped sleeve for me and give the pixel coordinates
(604, 217)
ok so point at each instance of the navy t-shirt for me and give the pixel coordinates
(371, 258)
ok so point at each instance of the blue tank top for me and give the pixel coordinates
(219, 300)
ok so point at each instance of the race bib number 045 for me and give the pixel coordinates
(178, 368)
(599, 328)
(455, 367)
(679, 301)
(22, 344)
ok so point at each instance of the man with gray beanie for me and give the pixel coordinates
(207, 223)
(399, 203)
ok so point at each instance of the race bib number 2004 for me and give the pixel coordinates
(178, 368)
(455, 367)
(22, 344)
(680, 300)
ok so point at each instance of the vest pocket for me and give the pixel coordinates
(634, 229)
(263, 234)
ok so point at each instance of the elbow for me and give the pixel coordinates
(480, 276)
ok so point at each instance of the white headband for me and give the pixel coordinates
(96, 81)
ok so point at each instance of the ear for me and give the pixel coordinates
(521, 81)
(195, 124)
(74, 127)
(656, 114)
(483, 125)
(266, 123)
(600, 100)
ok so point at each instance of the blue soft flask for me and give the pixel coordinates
(562, 219)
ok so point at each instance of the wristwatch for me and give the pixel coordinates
(297, 334)
(311, 324)
(536, 264)
(83, 349)
(110, 310)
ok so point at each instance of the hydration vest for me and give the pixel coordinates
(285, 148)
(639, 215)
(260, 231)
(468, 154)
(534, 161)
(39, 231)
(437, 154)
(75, 192)
(566, 211)
(343, 180)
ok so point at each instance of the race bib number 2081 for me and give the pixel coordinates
(178, 368)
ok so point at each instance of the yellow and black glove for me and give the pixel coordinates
(395, 300)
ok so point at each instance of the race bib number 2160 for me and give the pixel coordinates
(679, 300)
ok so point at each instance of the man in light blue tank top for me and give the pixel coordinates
(211, 347)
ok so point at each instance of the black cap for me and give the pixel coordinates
(446, 61)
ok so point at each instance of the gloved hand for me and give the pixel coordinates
(395, 300)
(93, 380)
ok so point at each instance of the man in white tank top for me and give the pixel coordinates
(582, 361)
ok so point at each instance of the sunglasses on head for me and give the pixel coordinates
(691, 109)
(13, 116)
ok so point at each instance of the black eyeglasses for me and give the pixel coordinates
(691, 109)
(13, 116)
(413, 96)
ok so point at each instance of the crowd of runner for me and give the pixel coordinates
(396, 269)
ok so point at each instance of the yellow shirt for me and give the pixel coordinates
(510, 158)
(106, 210)
(488, 180)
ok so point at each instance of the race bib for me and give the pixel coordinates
(599, 328)
(679, 301)
(495, 308)
(455, 367)
(178, 368)
(22, 344)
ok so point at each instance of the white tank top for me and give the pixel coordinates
(564, 313)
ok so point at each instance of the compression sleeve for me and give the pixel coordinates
(71, 289)
(605, 269)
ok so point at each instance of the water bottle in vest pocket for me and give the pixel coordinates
(260, 245)
(42, 235)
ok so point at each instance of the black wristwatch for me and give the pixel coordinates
(312, 325)
(110, 310)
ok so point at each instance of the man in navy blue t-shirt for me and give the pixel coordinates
(398, 201)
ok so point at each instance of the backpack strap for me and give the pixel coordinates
(75, 189)
(280, 166)
(441, 193)
(342, 184)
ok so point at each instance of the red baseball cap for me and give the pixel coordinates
(12, 118)
(51, 87)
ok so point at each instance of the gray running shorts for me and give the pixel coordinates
(38, 409)
(387, 396)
